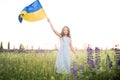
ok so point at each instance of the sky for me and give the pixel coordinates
(94, 22)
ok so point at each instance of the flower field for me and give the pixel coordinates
(40, 66)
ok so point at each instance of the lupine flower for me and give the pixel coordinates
(118, 63)
(97, 50)
(117, 51)
(89, 56)
(89, 50)
(93, 64)
(97, 57)
(74, 68)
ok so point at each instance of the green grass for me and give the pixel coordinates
(40, 66)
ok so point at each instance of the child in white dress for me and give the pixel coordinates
(63, 58)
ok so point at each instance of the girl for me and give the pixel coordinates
(63, 59)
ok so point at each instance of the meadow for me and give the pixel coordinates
(40, 66)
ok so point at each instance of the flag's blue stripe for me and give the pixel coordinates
(33, 7)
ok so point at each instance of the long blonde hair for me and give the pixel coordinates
(62, 32)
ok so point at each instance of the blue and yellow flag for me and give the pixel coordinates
(32, 12)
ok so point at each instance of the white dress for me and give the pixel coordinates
(63, 58)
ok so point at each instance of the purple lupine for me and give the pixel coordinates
(97, 50)
(97, 57)
(89, 53)
(93, 64)
(89, 56)
(118, 64)
(117, 51)
(89, 50)
(74, 68)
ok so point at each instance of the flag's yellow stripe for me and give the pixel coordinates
(34, 16)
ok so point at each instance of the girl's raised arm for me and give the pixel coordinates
(57, 33)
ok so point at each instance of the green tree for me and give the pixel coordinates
(21, 46)
(8, 45)
(1, 45)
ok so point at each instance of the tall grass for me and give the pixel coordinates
(40, 66)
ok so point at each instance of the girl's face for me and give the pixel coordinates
(65, 31)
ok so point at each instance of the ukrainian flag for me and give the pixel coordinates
(32, 12)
